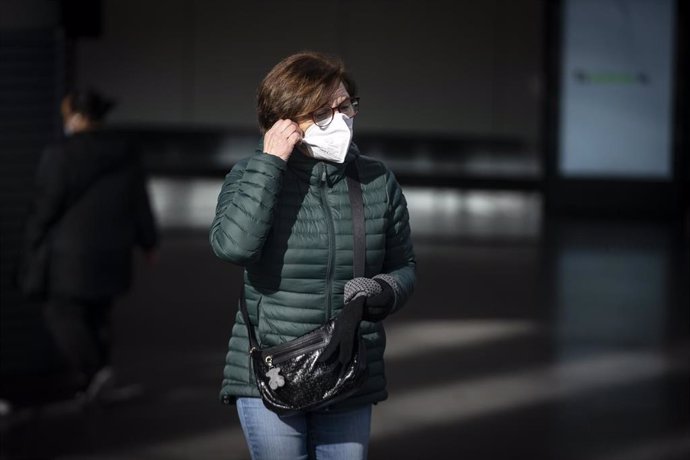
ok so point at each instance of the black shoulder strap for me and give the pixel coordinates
(354, 190)
(253, 343)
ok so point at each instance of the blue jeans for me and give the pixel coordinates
(321, 435)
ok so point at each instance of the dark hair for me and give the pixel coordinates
(89, 103)
(298, 85)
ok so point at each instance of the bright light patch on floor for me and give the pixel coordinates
(464, 400)
(405, 340)
(461, 401)
(666, 447)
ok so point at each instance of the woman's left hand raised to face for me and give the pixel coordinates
(282, 138)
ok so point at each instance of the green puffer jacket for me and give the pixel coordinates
(290, 226)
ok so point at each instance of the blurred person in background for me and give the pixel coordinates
(90, 209)
(283, 215)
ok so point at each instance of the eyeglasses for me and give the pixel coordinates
(324, 116)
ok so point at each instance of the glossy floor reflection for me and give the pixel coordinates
(561, 339)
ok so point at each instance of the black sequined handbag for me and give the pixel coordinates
(292, 376)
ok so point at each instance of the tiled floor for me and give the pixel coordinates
(525, 339)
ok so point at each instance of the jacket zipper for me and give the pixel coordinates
(331, 243)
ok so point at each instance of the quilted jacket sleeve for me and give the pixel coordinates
(399, 261)
(244, 214)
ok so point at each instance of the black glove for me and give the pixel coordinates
(345, 332)
(378, 306)
(378, 292)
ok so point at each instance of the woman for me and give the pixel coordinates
(90, 209)
(283, 214)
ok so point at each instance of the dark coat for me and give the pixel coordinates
(92, 206)
(290, 226)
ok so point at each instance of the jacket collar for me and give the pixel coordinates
(308, 169)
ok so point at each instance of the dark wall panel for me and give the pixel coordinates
(448, 67)
(30, 69)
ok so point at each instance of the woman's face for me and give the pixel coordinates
(339, 96)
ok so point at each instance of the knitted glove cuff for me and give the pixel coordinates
(357, 287)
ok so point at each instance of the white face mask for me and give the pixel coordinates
(329, 143)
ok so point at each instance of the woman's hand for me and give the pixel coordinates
(378, 294)
(282, 138)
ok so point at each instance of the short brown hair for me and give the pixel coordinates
(298, 85)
